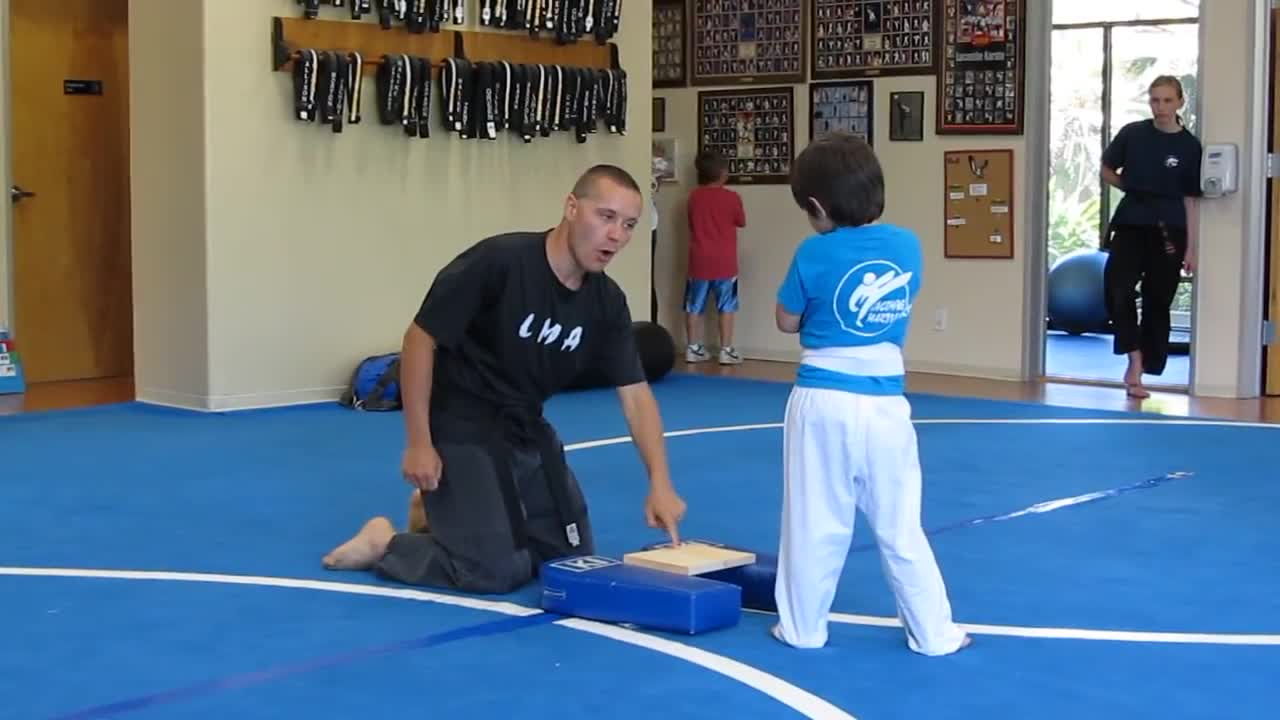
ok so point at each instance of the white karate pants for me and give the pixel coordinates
(844, 452)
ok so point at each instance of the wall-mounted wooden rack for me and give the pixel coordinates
(290, 35)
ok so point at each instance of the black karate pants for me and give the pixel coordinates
(469, 544)
(1151, 257)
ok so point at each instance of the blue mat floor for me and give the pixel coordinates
(156, 563)
(1089, 357)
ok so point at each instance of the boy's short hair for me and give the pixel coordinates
(710, 166)
(842, 173)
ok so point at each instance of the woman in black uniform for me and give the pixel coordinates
(1156, 163)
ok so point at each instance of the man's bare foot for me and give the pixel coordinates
(417, 514)
(363, 550)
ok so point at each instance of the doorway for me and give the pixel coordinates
(1104, 56)
(68, 105)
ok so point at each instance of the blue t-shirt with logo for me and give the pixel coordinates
(854, 287)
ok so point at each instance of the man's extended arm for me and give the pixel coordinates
(645, 422)
(664, 507)
(417, 365)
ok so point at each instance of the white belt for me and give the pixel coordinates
(879, 360)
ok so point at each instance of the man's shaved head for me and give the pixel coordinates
(586, 184)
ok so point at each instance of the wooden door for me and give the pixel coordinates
(69, 111)
(1272, 351)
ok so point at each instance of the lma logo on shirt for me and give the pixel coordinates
(872, 298)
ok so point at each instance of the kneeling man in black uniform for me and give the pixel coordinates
(508, 323)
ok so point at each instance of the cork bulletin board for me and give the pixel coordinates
(978, 203)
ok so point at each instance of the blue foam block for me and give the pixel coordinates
(756, 580)
(606, 589)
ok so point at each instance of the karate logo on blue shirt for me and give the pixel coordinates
(872, 298)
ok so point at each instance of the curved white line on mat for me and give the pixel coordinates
(587, 444)
(804, 702)
(1014, 630)
(1080, 633)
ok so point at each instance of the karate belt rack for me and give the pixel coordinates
(489, 82)
(568, 20)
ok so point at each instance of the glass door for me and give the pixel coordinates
(1105, 55)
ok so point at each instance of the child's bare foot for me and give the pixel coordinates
(417, 514)
(363, 550)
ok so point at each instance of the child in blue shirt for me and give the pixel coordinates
(849, 442)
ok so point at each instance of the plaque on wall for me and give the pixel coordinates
(847, 106)
(670, 59)
(863, 38)
(747, 41)
(980, 87)
(753, 128)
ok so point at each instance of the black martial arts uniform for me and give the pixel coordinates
(1148, 234)
(509, 336)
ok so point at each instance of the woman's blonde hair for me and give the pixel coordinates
(1167, 81)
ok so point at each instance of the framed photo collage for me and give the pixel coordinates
(746, 58)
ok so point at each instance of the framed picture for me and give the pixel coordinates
(867, 38)
(847, 106)
(754, 128)
(664, 159)
(734, 42)
(906, 116)
(981, 85)
(670, 50)
(659, 114)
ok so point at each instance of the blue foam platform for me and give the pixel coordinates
(756, 581)
(606, 589)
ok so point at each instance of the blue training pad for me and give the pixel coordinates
(606, 589)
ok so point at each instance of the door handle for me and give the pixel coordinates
(16, 193)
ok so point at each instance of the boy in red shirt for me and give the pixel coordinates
(715, 214)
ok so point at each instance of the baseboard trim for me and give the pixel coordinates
(1229, 392)
(232, 403)
(969, 371)
(171, 398)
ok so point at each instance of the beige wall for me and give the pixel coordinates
(286, 253)
(1228, 289)
(226, 185)
(980, 337)
(320, 246)
(913, 179)
(167, 167)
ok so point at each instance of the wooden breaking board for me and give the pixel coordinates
(978, 203)
(689, 558)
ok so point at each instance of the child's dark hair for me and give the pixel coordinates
(710, 166)
(842, 173)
